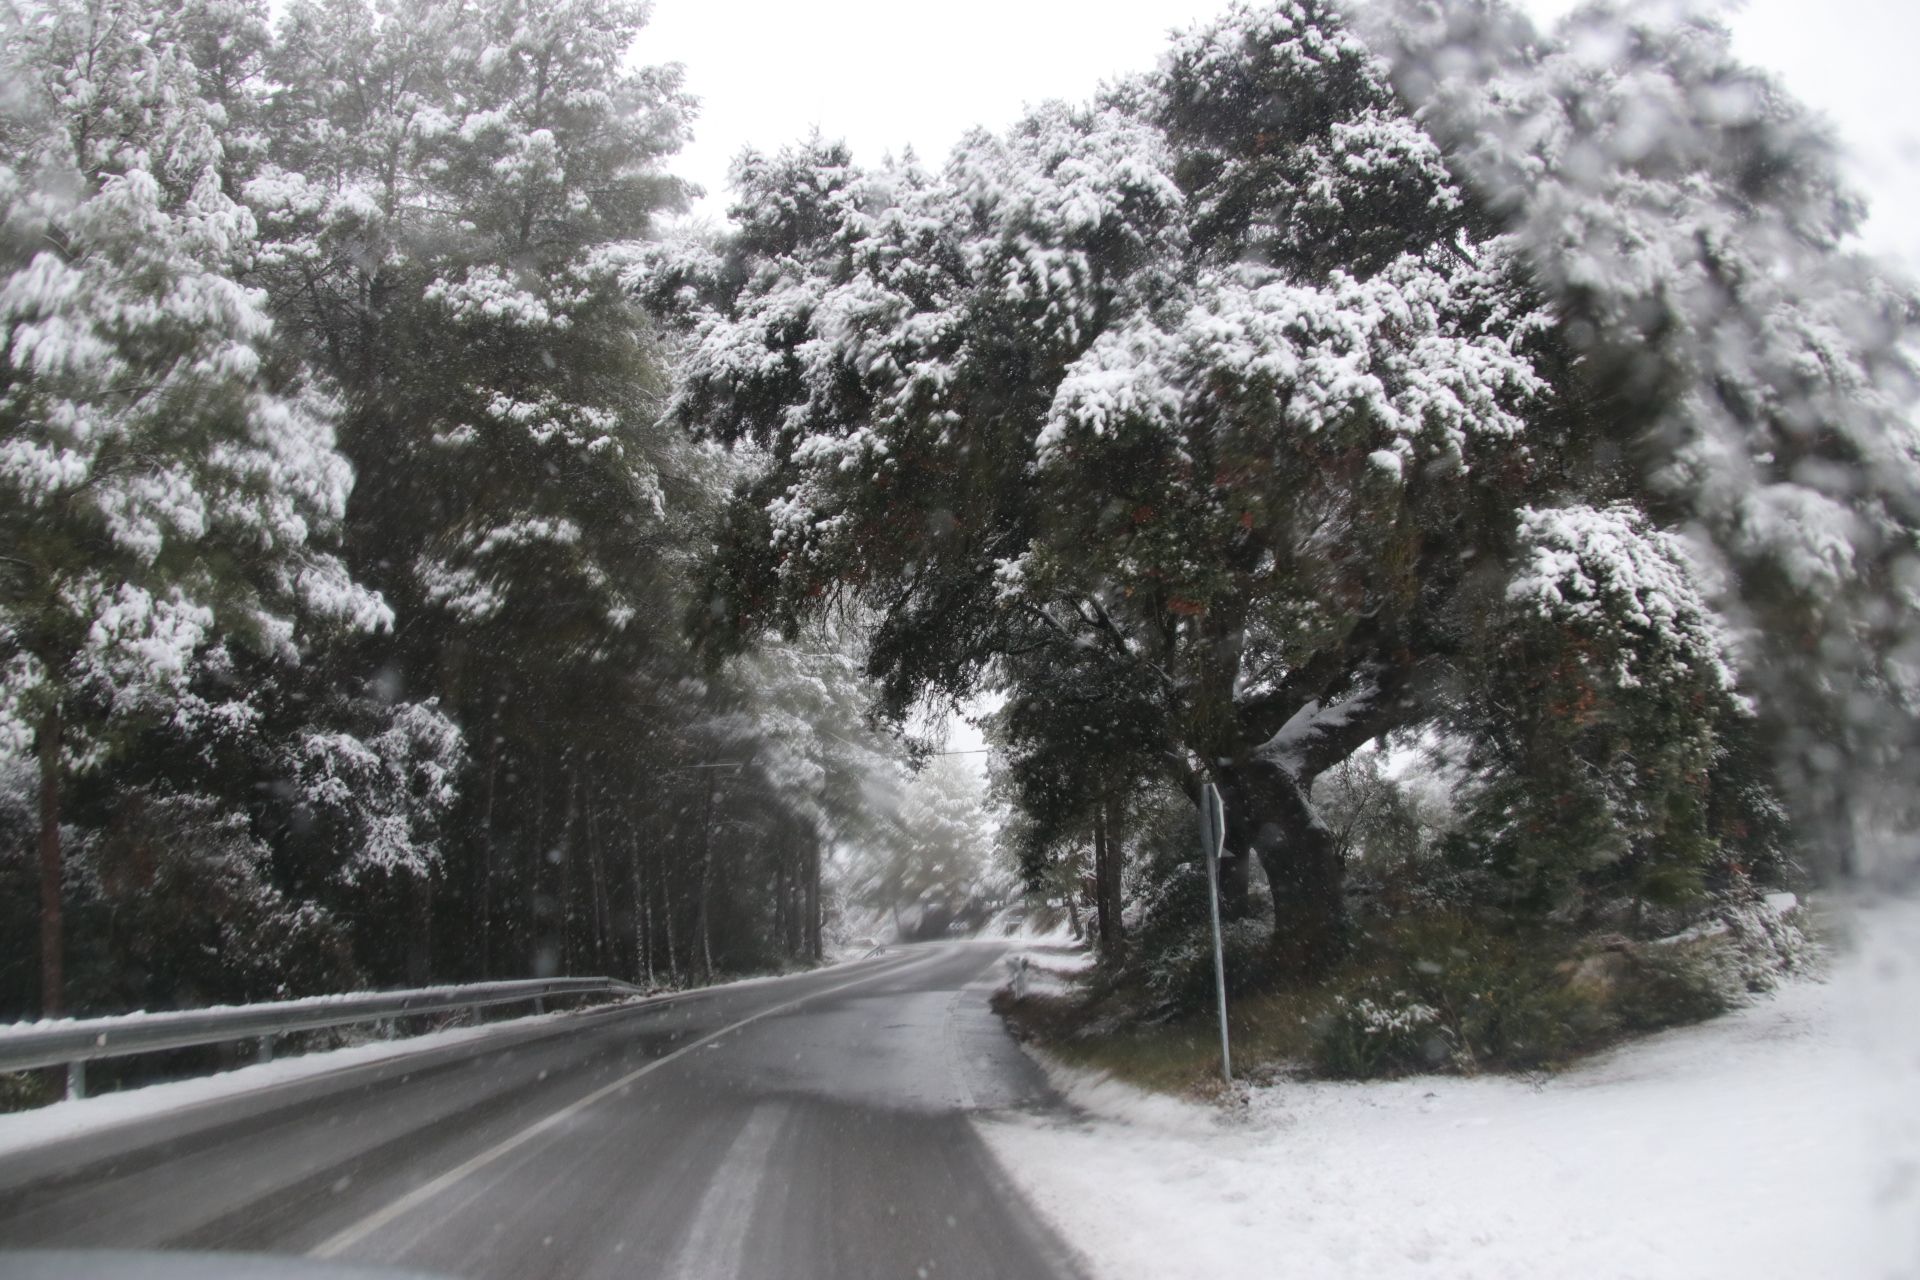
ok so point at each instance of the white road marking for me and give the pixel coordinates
(333, 1246)
(716, 1243)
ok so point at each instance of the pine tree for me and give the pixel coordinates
(169, 486)
(451, 195)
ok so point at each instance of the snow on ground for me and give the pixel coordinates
(76, 1116)
(1782, 1140)
(1051, 969)
(1028, 925)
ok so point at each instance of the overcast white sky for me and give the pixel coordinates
(886, 75)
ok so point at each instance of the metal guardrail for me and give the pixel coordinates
(74, 1042)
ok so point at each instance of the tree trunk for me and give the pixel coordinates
(642, 914)
(706, 883)
(667, 905)
(569, 838)
(1101, 922)
(597, 879)
(1269, 815)
(790, 897)
(53, 981)
(782, 903)
(815, 950)
(1236, 883)
(420, 936)
(1106, 877)
(542, 961)
(488, 850)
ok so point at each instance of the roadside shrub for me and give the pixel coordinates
(1497, 1000)
(1671, 986)
(1365, 1036)
(177, 909)
(1170, 951)
(1763, 944)
(1179, 970)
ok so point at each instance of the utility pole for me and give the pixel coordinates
(1213, 835)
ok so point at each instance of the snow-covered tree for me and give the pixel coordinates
(492, 758)
(450, 197)
(449, 194)
(169, 485)
(1605, 696)
(1725, 338)
(1217, 409)
(936, 867)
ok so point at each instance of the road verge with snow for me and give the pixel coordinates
(1780, 1140)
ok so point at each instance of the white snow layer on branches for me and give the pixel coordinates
(1023, 216)
(1379, 354)
(1686, 206)
(134, 416)
(1609, 568)
(384, 790)
(1290, 745)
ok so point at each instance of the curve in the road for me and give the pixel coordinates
(811, 1126)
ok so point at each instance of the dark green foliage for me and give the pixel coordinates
(24, 1090)
(1500, 996)
(1670, 986)
(1596, 722)
(1170, 952)
(1361, 1038)
(1268, 177)
(176, 909)
(1452, 992)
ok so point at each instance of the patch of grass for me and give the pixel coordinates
(1101, 1027)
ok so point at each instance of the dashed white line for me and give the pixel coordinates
(716, 1242)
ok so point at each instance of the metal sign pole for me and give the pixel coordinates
(1213, 837)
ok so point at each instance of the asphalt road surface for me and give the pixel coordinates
(814, 1126)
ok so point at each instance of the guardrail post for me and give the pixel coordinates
(473, 1014)
(539, 1004)
(76, 1080)
(263, 1049)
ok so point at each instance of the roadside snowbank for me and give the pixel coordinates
(1023, 924)
(1783, 1140)
(1052, 969)
(70, 1118)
